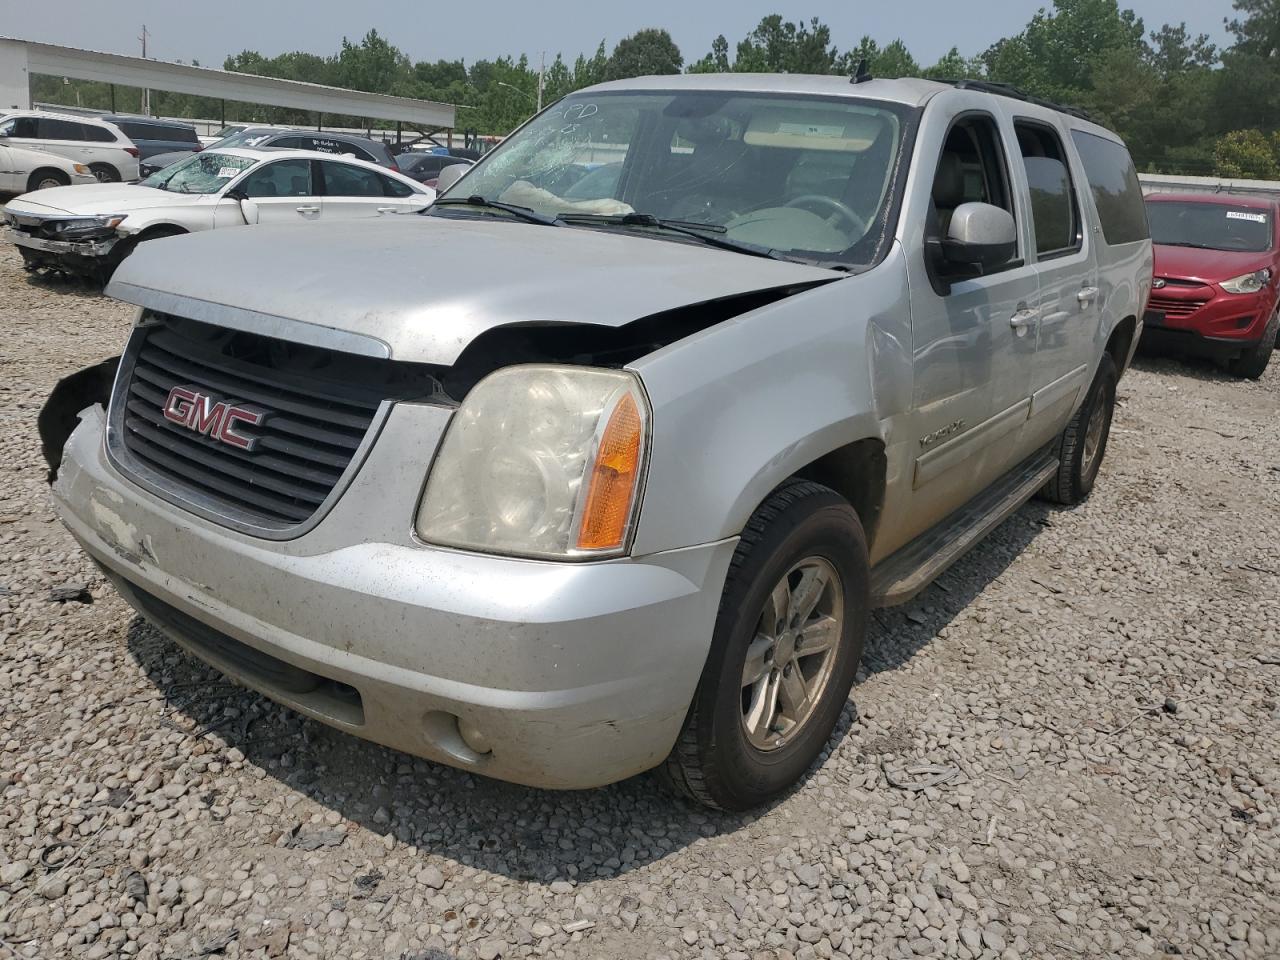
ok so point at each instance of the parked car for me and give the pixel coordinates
(99, 145)
(90, 230)
(1216, 276)
(426, 167)
(260, 137)
(562, 490)
(153, 136)
(22, 170)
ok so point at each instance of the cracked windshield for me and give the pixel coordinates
(802, 177)
(199, 173)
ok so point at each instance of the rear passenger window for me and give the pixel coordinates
(1114, 184)
(394, 188)
(344, 180)
(1054, 210)
(48, 129)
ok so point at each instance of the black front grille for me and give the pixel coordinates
(318, 407)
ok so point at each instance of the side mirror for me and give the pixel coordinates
(248, 209)
(449, 176)
(980, 235)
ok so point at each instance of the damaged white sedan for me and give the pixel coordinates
(89, 230)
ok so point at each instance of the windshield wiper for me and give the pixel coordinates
(528, 214)
(1183, 243)
(708, 233)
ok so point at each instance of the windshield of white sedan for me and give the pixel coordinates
(199, 173)
(1210, 226)
(802, 177)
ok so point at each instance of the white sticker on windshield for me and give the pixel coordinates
(811, 129)
(1251, 217)
(226, 173)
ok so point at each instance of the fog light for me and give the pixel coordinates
(473, 738)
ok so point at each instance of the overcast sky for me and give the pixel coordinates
(472, 30)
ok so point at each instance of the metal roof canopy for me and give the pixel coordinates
(21, 58)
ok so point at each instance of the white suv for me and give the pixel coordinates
(99, 145)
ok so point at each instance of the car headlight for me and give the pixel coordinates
(82, 170)
(89, 226)
(541, 461)
(1249, 283)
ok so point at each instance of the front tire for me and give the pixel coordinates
(47, 178)
(1253, 362)
(1084, 442)
(786, 647)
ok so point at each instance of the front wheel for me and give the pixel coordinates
(786, 647)
(1252, 364)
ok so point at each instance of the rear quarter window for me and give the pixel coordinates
(1117, 195)
(97, 134)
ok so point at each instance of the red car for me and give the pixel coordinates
(1216, 274)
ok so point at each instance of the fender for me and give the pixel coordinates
(743, 405)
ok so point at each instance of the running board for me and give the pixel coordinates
(899, 577)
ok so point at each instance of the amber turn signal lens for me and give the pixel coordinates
(613, 479)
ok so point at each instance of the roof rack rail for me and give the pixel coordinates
(1014, 93)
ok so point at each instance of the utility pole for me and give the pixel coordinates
(542, 78)
(146, 94)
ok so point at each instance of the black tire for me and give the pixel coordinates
(1253, 362)
(713, 761)
(105, 172)
(46, 177)
(1076, 473)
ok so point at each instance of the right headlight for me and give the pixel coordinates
(1249, 283)
(541, 461)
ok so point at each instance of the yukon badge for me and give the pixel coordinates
(950, 430)
(213, 418)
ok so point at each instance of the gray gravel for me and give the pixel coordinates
(1104, 682)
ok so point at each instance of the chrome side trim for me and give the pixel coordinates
(250, 321)
(1069, 385)
(931, 465)
(200, 504)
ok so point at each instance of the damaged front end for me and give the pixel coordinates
(62, 242)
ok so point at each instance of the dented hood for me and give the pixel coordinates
(421, 288)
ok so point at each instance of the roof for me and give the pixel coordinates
(55, 115)
(911, 92)
(278, 153)
(129, 118)
(1233, 199)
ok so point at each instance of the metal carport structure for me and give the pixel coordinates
(19, 59)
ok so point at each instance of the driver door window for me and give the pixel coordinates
(283, 191)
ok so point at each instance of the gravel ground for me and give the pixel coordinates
(1105, 680)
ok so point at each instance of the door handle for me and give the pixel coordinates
(308, 209)
(388, 209)
(1024, 320)
(1088, 295)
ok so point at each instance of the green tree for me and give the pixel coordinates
(1248, 86)
(1248, 154)
(778, 46)
(954, 66)
(1057, 53)
(644, 53)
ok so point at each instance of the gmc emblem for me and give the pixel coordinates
(212, 418)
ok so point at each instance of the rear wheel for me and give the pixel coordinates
(786, 647)
(1253, 362)
(1084, 442)
(105, 172)
(46, 178)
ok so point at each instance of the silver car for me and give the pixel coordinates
(600, 464)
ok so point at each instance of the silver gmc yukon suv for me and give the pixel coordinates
(600, 463)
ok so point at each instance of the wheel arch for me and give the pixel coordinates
(38, 171)
(858, 472)
(1121, 343)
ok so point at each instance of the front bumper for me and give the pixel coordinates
(574, 674)
(76, 248)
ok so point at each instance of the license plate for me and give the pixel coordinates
(1153, 318)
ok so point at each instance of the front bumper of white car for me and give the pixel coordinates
(88, 247)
